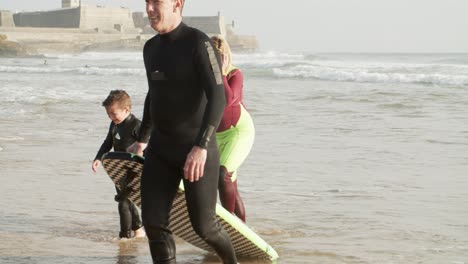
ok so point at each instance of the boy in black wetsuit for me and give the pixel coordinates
(122, 133)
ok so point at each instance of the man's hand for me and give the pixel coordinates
(137, 148)
(195, 164)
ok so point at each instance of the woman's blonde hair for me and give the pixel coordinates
(223, 48)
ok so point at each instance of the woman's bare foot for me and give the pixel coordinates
(140, 232)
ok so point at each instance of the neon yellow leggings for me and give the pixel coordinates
(235, 143)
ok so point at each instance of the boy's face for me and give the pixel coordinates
(117, 114)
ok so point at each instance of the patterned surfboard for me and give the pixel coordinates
(125, 171)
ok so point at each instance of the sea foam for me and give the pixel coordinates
(377, 69)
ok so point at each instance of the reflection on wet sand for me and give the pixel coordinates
(128, 251)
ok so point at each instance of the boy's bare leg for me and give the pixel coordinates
(140, 232)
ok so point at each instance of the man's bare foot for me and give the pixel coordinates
(140, 232)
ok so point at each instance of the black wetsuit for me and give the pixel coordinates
(120, 137)
(183, 107)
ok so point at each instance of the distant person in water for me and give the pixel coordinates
(235, 134)
(122, 133)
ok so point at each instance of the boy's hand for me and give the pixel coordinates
(137, 148)
(95, 165)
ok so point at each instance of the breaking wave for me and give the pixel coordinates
(82, 70)
(366, 68)
(431, 69)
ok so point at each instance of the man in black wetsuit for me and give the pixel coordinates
(183, 108)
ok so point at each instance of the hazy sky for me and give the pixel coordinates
(325, 25)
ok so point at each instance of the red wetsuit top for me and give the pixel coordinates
(233, 84)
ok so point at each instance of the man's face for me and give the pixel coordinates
(161, 14)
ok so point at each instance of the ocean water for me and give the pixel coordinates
(358, 158)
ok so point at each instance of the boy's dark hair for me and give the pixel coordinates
(118, 97)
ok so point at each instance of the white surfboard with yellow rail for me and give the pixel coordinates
(125, 171)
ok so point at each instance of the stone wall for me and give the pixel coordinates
(60, 18)
(71, 3)
(6, 19)
(85, 17)
(65, 40)
(101, 27)
(140, 19)
(211, 25)
(106, 18)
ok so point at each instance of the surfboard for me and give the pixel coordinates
(125, 169)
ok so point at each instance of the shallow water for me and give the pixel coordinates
(342, 170)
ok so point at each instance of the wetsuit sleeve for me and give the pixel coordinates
(106, 145)
(208, 68)
(233, 86)
(136, 130)
(145, 126)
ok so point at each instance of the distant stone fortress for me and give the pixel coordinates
(84, 27)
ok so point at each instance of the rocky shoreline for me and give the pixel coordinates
(27, 42)
(14, 49)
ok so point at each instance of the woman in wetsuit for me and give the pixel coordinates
(235, 134)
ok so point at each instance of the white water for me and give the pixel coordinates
(357, 158)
